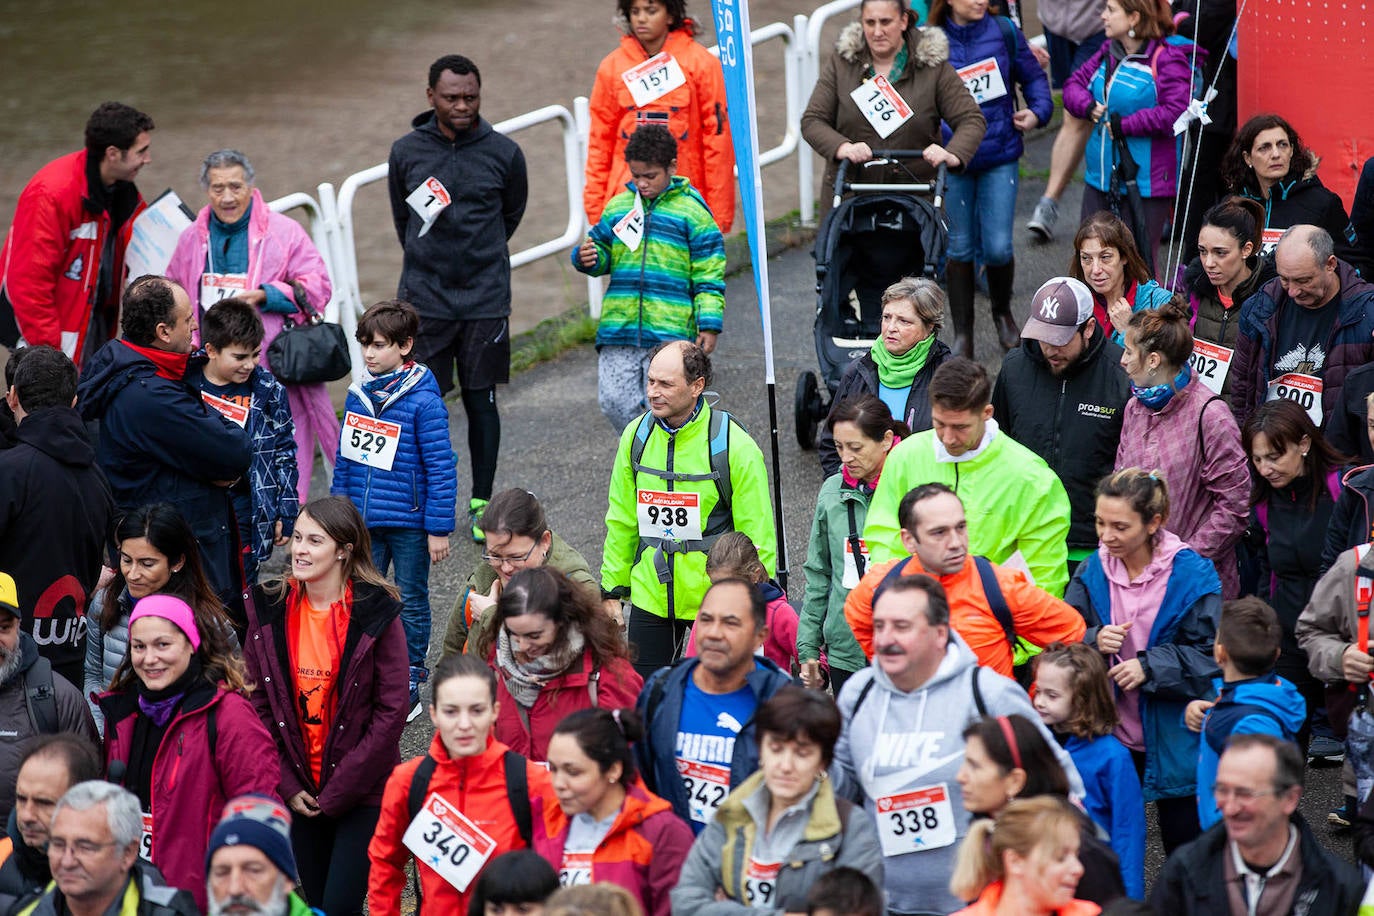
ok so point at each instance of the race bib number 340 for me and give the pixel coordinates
(916, 821)
(444, 839)
(671, 516)
(370, 441)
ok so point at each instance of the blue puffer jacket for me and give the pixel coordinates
(977, 41)
(1178, 662)
(1265, 705)
(420, 489)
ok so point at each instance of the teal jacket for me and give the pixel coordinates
(1012, 500)
(673, 284)
(822, 622)
(630, 568)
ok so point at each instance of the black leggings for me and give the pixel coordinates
(1178, 823)
(654, 641)
(484, 439)
(331, 855)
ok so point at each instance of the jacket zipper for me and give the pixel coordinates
(643, 265)
(672, 605)
(1054, 443)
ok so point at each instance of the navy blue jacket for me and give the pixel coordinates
(655, 754)
(969, 44)
(421, 488)
(1177, 660)
(1266, 705)
(160, 443)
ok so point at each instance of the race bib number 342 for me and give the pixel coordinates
(444, 839)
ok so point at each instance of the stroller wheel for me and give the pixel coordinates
(809, 408)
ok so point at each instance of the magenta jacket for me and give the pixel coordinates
(191, 784)
(1204, 466)
(372, 699)
(279, 251)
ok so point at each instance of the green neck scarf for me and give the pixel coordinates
(898, 66)
(900, 371)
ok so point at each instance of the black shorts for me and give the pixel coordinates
(476, 351)
(1067, 56)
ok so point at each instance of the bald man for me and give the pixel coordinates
(1304, 331)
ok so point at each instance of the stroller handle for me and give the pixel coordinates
(884, 156)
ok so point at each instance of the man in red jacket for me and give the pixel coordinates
(62, 265)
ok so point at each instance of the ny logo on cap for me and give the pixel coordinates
(1049, 309)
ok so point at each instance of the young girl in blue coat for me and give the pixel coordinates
(1074, 699)
(993, 58)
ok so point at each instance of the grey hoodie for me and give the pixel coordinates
(905, 741)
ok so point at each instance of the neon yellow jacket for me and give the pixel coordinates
(1012, 500)
(631, 567)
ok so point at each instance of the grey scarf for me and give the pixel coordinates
(524, 680)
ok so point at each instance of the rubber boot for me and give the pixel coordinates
(959, 282)
(1000, 281)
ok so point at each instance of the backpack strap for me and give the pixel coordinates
(855, 540)
(1364, 594)
(518, 787)
(892, 575)
(863, 695)
(41, 698)
(997, 602)
(1202, 442)
(419, 786)
(978, 693)
(1009, 38)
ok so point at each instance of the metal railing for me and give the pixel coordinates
(331, 216)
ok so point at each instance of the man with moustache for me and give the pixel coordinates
(33, 699)
(902, 744)
(991, 607)
(250, 868)
(698, 715)
(51, 765)
(1062, 395)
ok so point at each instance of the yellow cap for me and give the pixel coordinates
(9, 594)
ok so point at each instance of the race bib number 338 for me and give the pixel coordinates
(916, 821)
(444, 839)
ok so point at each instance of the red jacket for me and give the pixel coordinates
(50, 263)
(190, 786)
(643, 852)
(371, 698)
(475, 786)
(618, 686)
(694, 113)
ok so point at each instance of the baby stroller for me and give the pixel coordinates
(868, 241)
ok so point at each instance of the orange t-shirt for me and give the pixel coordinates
(315, 640)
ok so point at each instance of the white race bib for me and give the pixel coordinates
(916, 821)
(882, 105)
(234, 413)
(653, 79)
(761, 883)
(145, 842)
(428, 201)
(1269, 240)
(1211, 363)
(707, 785)
(983, 80)
(630, 227)
(669, 516)
(576, 869)
(1303, 390)
(216, 287)
(370, 441)
(443, 838)
(851, 568)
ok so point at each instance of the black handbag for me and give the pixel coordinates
(316, 351)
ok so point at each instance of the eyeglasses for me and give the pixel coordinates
(1223, 794)
(81, 849)
(496, 560)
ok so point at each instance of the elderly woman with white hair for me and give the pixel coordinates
(238, 248)
(899, 366)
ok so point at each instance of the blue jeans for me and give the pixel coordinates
(982, 212)
(408, 548)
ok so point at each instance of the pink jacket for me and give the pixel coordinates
(279, 251)
(1204, 466)
(190, 784)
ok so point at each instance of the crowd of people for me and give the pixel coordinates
(1129, 566)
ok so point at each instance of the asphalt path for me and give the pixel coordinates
(556, 443)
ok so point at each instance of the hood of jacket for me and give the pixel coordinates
(640, 805)
(926, 46)
(109, 371)
(1161, 565)
(258, 215)
(59, 433)
(418, 378)
(426, 123)
(1274, 694)
(822, 823)
(958, 659)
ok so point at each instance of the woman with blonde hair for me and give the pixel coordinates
(1024, 862)
(601, 899)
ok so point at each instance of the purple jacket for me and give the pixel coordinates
(190, 783)
(371, 699)
(1208, 477)
(279, 251)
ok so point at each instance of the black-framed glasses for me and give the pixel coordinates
(496, 560)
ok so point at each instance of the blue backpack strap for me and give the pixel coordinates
(892, 575)
(997, 602)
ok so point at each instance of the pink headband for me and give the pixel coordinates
(170, 608)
